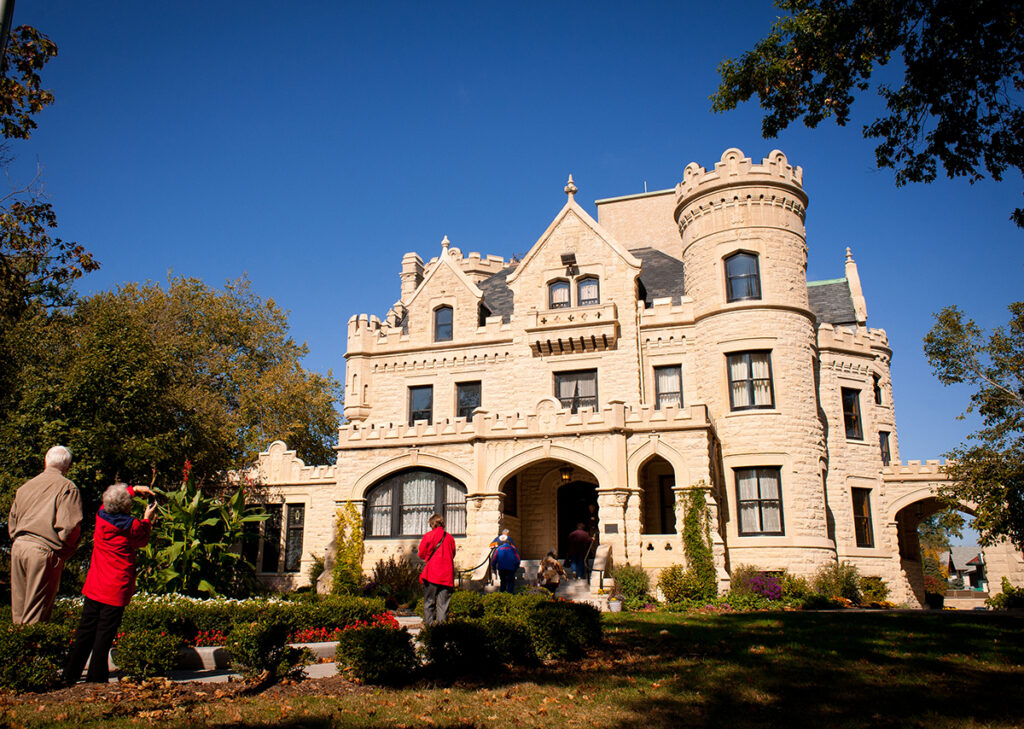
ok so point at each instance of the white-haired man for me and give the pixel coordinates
(45, 523)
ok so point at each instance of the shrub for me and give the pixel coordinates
(838, 579)
(934, 585)
(679, 584)
(316, 568)
(143, 654)
(263, 646)
(347, 573)
(562, 629)
(794, 586)
(817, 601)
(466, 604)
(740, 579)
(376, 655)
(1010, 598)
(516, 607)
(511, 640)
(633, 584)
(33, 656)
(873, 589)
(396, 580)
(766, 585)
(459, 648)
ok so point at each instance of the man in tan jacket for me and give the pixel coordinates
(45, 524)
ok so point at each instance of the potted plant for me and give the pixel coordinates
(614, 599)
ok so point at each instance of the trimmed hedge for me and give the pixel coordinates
(460, 647)
(262, 645)
(33, 655)
(377, 655)
(564, 629)
(147, 653)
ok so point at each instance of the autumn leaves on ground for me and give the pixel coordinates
(655, 670)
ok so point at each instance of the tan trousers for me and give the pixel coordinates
(35, 577)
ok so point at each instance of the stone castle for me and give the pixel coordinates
(674, 343)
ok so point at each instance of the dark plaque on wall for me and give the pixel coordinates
(611, 528)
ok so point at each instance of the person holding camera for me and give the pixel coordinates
(437, 549)
(110, 584)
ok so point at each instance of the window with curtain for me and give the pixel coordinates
(862, 517)
(577, 389)
(851, 414)
(558, 295)
(668, 386)
(443, 324)
(293, 537)
(750, 380)
(401, 505)
(467, 399)
(421, 403)
(588, 292)
(759, 501)
(742, 277)
(883, 445)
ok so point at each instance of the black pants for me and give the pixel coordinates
(95, 634)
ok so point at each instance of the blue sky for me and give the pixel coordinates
(309, 145)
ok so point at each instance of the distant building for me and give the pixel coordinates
(968, 564)
(673, 343)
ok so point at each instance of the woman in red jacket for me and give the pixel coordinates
(110, 584)
(438, 576)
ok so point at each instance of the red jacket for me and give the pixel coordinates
(440, 568)
(111, 578)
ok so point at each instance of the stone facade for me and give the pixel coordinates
(566, 348)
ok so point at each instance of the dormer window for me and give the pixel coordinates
(443, 324)
(742, 277)
(588, 293)
(558, 295)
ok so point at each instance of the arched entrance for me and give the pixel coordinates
(656, 480)
(912, 558)
(577, 504)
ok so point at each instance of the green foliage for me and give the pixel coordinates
(510, 637)
(347, 573)
(1011, 598)
(517, 606)
(146, 376)
(562, 629)
(33, 656)
(633, 584)
(740, 579)
(954, 107)
(679, 584)
(315, 570)
(838, 579)
(466, 604)
(794, 586)
(377, 655)
(261, 648)
(396, 580)
(873, 589)
(988, 472)
(698, 581)
(143, 654)
(459, 648)
(193, 548)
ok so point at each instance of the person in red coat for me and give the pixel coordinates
(110, 584)
(437, 548)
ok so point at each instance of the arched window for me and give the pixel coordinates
(742, 277)
(443, 324)
(588, 293)
(401, 504)
(558, 295)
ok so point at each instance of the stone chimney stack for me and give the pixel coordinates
(412, 274)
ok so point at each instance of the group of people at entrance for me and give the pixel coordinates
(505, 560)
(45, 523)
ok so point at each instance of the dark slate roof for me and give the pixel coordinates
(497, 294)
(661, 275)
(831, 301)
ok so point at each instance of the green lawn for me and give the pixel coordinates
(794, 669)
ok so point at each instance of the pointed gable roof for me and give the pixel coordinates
(573, 208)
(446, 259)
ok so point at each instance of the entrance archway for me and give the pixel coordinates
(574, 507)
(908, 519)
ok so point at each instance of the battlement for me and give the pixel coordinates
(369, 335)
(278, 466)
(548, 420)
(859, 339)
(914, 470)
(664, 312)
(735, 169)
(474, 264)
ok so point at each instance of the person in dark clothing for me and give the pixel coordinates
(505, 559)
(579, 545)
(110, 584)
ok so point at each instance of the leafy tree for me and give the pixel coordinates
(958, 104)
(142, 377)
(988, 471)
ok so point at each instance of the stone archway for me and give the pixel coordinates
(908, 513)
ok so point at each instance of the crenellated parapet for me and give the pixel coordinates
(278, 466)
(930, 470)
(859, 340)
(476, 265)
(547, 420)
(665, 313)
(368, 335)
(763, 193)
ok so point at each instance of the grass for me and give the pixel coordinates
(656, 671)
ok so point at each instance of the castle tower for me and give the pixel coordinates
(745, 261)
